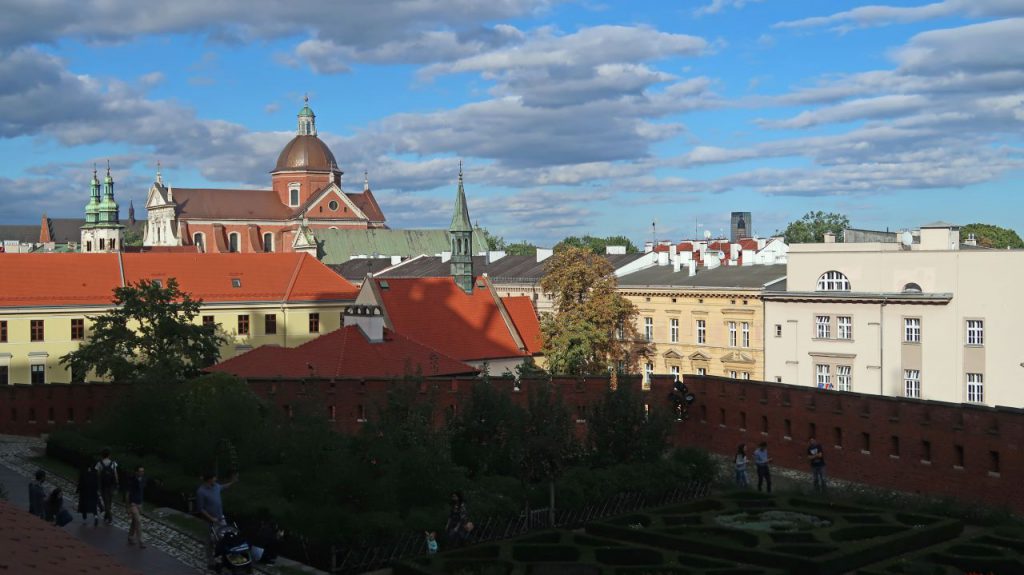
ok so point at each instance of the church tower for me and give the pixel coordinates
(102, 231)
(461, 234)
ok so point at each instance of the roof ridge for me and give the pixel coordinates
(294, 278)
(505, 316)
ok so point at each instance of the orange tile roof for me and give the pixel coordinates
(30, 545)
(524, 317)
(345, 353)
(89, 279)
(436, 312)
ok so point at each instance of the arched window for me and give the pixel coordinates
(268, 242)
(293, 196)
(199, 240)
(233, 242)
(912, 288)
(833, 281)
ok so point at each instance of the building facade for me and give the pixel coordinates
(925, 318)
(709, 323)
(102, 231)
(306, 194)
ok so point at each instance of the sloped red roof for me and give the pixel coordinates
(57, 279)
(205, 203)
(748, 244)
(436, 312)
(524, 317)
(684, 247)
(368, 204)
(345, 353)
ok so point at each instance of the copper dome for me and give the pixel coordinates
(306, 153)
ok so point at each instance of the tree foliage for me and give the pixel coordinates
(597, 245)
(580, 336)
(991, 236)
(621, 431)
(813, 226)
(133, 238)
(522, 248)
(148, 336)
(484, 435)
(494, 241)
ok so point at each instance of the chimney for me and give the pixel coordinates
(544, 253)
(662, 258)
(971, 240)
(693, 268)
(830, 238)
(615, 250)
(369, 319)
(493, 256)
(395, 260)
(446, 257)
(648, 247)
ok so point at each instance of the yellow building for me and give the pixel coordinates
(47, 300)
(710, 323)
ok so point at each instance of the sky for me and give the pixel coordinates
(571, 117)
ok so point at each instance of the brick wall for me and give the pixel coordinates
(975, 453)
(37, 409)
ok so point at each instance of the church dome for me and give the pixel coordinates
(306, 153)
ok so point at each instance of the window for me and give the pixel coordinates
(648, 372)
(37, 333)
(3, 331)
(824, 376)
(824, 324)
(733, 374)
(77, 329)
(236, 282)
(833, 281)
(912, 330)
(975, 332)
(673, 330)
(4, 375)
(270, 324)
(975, 388)
(844, 378)
(732, 334)
(912, 383)
(778, 330)
(314, 323)
(293, 196)
(620, 331)
(199, 241)
(38, 371)
(208, 320)
(113, 244)
(675, 371)
(243, 324)
(332, 205)
(844, 327)
(746, 334)
(268, 242)
(702, 331)
(233, 242)
(702, 371)
(648, 328)
(103, 244)
(745, 375)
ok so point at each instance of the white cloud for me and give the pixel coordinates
(717, 6)
(883, 15)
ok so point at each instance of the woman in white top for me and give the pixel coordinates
(741, 465)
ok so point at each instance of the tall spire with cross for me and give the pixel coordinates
(461, 234)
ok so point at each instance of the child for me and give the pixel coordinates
(431, 542)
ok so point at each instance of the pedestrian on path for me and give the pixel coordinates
(136, 490)
(761, 461)
(816, 456)
(106, 470)
(89, 493)
(37, 495)
(741, 465)
(211, 508)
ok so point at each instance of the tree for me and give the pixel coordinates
(494, 242)
(597, 245)
(523, 248)
(991, 236)
(485, 432)
(132, 238)
(593, 327)
(148, 336)
(546, 441)
(813, 226)
(620, 430)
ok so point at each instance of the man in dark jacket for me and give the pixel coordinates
(37, 495)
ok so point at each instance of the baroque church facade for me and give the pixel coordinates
(305, 195)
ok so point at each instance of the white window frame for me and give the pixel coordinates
(674, 369)
(673, 330)
(975, 332)
(702, 371)
(732, 334)
(912, 330)
(844, 327)
(912, 383)
(733, 375)
(266, 236)
(648, 372)
(199, 239)
(237, 243)
(294, 195)
(844, 377)
(32, 370)
(823, 326)
(975, 388)
(745, 375)
(746, 333)
(648, 329)
(833, 281)
(702, 331)
(823, 375)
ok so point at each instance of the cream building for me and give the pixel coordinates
(707, 323)
(924, 317)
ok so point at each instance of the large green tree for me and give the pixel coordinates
(547, 445)
(494, 241)
(597, 245)
(813, 226)
(522, 248)
(150, 335)
(991, 236)
(592, 328)
(620, 430)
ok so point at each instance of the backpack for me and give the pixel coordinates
(108, 474)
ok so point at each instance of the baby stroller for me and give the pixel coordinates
(232, 552)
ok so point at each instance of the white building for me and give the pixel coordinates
(916, 318)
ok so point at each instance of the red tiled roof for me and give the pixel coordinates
(368, 204)
(748, 244)
(436, 312)
(30, 545)
(684, 247)
(345, 353)
(524, 317)
(230, 204)
(661, 248)
(89, 279)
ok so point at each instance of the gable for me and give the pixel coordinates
(698, 356)
(737, 357)
(671, 354)
(320, 205)
(155, 198)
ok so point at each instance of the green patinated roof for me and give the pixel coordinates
(306, 111)
(460, 219)
(337, 246)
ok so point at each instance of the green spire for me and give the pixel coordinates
(92, 209)
(108, 209)
(460, 219)
(307, 120)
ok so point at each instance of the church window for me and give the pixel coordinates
(102, 243)
(88, 246)
(199, 241)
(233, 242)
(333, 205)
(293, 196)
(268, 242)
(113, 244)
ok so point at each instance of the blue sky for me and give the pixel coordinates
(571, 117)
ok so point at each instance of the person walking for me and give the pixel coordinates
(89, 493)
(37, 495)
(458, 518)
(761, 461)
(816, 456)
(135, 492)
(106, 470)
(211, 508)
(741, 465)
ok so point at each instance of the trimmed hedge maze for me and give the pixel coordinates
(801, 536)
(999, 551)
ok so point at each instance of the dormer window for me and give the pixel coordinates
(912, 288)
(236, 282)
(833, 281)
